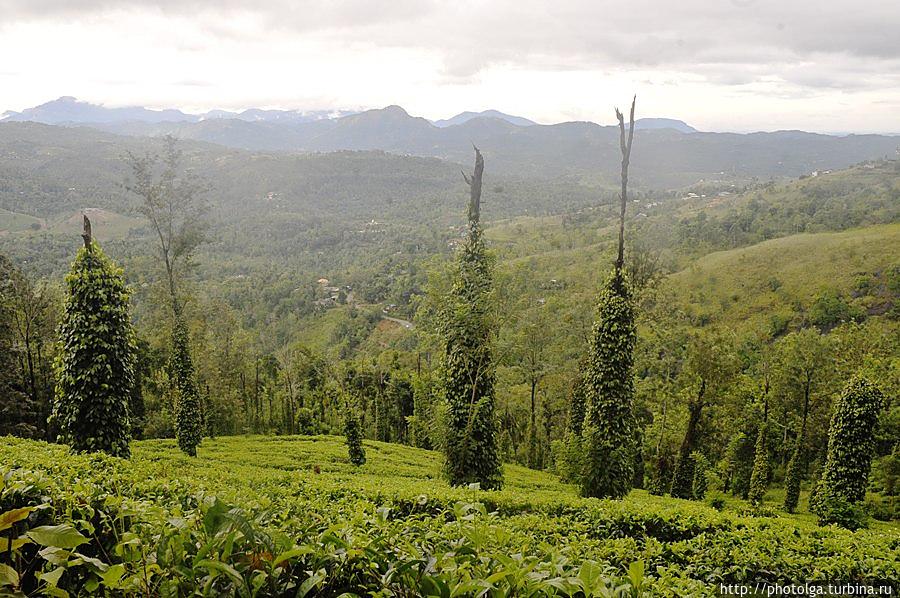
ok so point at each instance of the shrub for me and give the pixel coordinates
(683, 478)
(569, 457)
(887, 471)
(793, 477)
(833, 509)
(882, 508)
(306, 422)
(95, 367)
(716, 500)
(830, 309)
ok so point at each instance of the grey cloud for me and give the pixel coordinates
(812, 43)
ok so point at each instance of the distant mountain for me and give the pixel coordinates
(70, 111)
(663, 123)
(464, 117)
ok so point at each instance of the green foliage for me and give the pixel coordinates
(794, 476)
(830, 309)
(700, 482)
(353, 437)
(609, 429)
(683, 478)
(14, 404)
(887, 473)
(570, 457)
(306, 422)
(759, 479)
(471, 450)
(716, 500)
(738, 464)
(266, 516)
(851, 440)
(832, 508)
(188, 417)
(95, 368)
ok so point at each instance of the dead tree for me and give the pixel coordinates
(625, 145)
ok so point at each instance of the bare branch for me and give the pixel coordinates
(86, 235)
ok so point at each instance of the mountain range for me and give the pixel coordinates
(669, 153)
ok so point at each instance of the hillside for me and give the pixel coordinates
(665, 158)
(778, 280)
(291, 512)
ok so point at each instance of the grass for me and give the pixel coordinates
(747, 286)
(11, 222)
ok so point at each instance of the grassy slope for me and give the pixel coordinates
(736, 287)
(15, 222)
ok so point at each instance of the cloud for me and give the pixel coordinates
(531, 33)
(538, 56)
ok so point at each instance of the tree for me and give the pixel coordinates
(570, 463)
(353, 435)
(171, 201)
(802, 361)
(609, 428)
(530, 358)
(471, 447)
(188, 418)
(710, 366)
(95, 368)
(851, 440)
(16, 407)
(700, 481)
(759, 478)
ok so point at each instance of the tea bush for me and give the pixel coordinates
(286, 516)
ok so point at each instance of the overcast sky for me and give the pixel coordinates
(822, 65)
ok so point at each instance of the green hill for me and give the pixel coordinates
(781, 278)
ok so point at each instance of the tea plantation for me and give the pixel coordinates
(290, 516)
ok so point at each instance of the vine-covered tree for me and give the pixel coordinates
(95, 367)
(15, 404)
(609, 427)
(471, 446)
(759, 478)
(803, 359)
(188, 415)
(851, 440)
(570, 460)
(353, 435)
(710, 365)
(701, 480)
(171, 201)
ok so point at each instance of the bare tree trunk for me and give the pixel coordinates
(625, 145)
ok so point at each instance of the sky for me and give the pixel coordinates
(720, 65)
